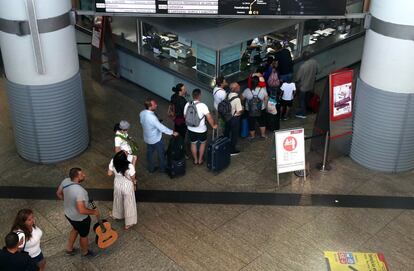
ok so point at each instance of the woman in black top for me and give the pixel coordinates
(176, 108)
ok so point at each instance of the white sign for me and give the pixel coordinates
(96, 38)
(342, 99)
(290, 150)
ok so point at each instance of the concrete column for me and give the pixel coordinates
(383, 135)
(44, 87)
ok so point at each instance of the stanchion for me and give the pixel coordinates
(324, 167)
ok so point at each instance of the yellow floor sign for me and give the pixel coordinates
(355, 261)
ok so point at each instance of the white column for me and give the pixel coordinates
(383, 135)
(47, 105)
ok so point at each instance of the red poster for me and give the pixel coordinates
(340, 98)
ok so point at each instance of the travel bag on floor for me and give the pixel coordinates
(218, 152)
(176, 168)
(176, 157)
(244, 130)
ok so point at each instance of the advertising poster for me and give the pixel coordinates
(290, 150)
(341, 94)
(355, 261)
(97, 32)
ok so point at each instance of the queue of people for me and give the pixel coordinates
(267, 99)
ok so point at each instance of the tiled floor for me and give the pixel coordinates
(171, 236)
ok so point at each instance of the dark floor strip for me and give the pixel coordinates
(244, 198)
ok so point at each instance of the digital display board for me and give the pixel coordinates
(224, 7)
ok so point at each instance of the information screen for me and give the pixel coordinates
(224, 7)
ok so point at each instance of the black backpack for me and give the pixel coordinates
(255, 105)
(176, 149)
(224, 108)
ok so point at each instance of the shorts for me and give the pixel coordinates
(82, 227)
(286, 103)
(197, 137)
(261, 120)
(38, 258)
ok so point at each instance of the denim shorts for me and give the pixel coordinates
(38, 258)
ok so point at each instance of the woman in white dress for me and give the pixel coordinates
(124, 205)
(29, 236)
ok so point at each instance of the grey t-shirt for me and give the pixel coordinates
(71, 194)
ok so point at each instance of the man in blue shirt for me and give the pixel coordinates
(153, 130)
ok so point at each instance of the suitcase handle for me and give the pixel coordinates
(216, 133)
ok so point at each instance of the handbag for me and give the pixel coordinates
(271, 106)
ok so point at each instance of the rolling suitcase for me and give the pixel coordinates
(218, 153)
(176, 157)
(176, 168)
(244, 131)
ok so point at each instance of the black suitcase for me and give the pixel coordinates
(176, 168)
(218, 153)
(176, 157)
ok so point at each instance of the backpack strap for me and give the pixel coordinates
(232, 99)
(215, 92)
(69, 185)
(195, 104)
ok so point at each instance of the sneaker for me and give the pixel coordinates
(236, 152)
(300, 116)
(153, 170)
(285, 118)
(89, 254)
(250, 139)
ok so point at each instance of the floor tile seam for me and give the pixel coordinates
(305, 237)
(261, 253)
(56, 229)
(193, 217)
(301, 225)
(358, 243)
(235, 217)
(391, 221)
(300, 229)
(156, 247)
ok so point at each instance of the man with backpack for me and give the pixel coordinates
(256, 99)
(232, 114)
(153, 130)
(195, 114)
(219, 94)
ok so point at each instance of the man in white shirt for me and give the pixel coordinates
(153, 130)
(219, 94)
(232, 128)
(199, 134)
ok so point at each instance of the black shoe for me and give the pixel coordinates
(89, 254)
(153, 170)
(236, 152)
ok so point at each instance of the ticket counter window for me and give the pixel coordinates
(319, 34)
